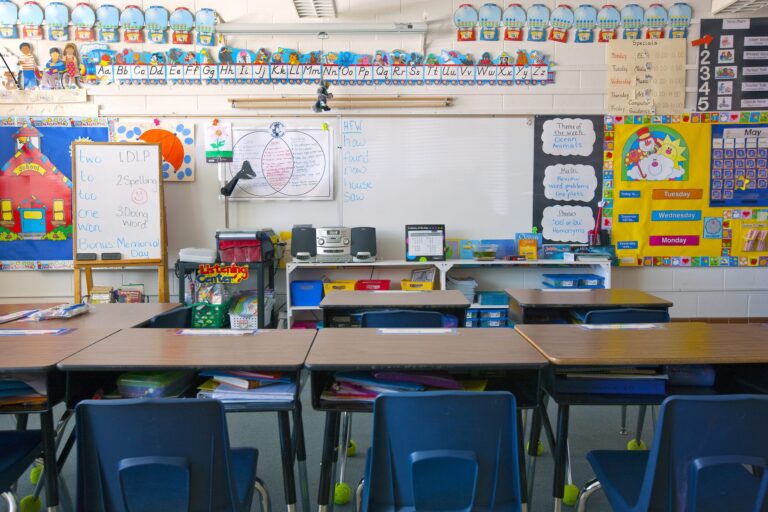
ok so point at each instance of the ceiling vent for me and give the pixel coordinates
(737, 7)
(315, 8)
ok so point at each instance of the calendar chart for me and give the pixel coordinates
(739, 174)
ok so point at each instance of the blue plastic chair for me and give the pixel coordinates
(177, 318)
(161, 454)
(404, 318)
(443, 450)
(698, 462)
(18, 449)
(623, 316)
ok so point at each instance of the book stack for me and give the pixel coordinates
(466, 286)
(16, 392)
(616, 381)
(247, 386)
(366, 386)
(130, 293)
(102, 295)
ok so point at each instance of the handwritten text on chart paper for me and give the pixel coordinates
(355, 178)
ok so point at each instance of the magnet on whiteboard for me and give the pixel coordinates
(325, 127)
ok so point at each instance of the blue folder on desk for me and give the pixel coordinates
(609, 386)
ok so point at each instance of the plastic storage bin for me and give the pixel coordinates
(416, 286)
(208, 316)
(493, 298)
(153, 384)
(591, 281)
(561, 280)
(372, 284)
(472, 314)
(493, 313)
(306, 293)
(339, 286)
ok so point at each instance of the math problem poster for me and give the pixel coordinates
(567, 176)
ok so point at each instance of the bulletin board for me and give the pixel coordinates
(671, 200)
(567, 181)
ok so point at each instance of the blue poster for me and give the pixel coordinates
(739, 173)
(36, 193)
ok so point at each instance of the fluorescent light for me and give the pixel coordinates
(342, 102)
(321, 28)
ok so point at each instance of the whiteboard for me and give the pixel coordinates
(118, 200)
(472, 174)
(289, 163)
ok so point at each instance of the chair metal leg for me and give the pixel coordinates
(623, 429)
(266, 506)
(640, 423)
(589, 488)
(11, 500)
(359, 496)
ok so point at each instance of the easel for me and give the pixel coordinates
(86, 266)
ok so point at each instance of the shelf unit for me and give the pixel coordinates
(265, 278)
(301, 270)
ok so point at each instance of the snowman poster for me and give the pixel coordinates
(655, 153)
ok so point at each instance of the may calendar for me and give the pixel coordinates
(739, 174)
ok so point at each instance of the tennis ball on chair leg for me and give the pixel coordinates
(35, 473)
(342, 494)
(539, 448)
(30, 504)
(570, 495)
(633, 445)
(352, 448)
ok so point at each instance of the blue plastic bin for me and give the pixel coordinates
(493, 298)
(306, 293)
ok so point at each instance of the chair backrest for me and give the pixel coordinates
(444, 450)
(401, 318)
(176, 318)
(703, 442)
(626, 316)
(153, 454)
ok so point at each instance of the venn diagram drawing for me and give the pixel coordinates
(288, 163)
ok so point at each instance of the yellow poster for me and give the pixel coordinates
(661, 192)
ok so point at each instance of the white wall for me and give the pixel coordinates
(194, 210)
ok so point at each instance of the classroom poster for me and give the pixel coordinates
(646, 76)
(176, 139)
(567, 177)
(733, 66)
(36, 216)
(667, 193)
(288, 163)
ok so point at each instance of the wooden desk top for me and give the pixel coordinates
(395, 299)
(41, 352)
(673, 343)
(163, 348)
(613, 297)
(337, 349)
(6, 309)
(119, 316)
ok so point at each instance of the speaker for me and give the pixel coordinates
(303, 243)
(363, 244)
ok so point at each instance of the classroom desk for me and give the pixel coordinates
(6, 309)
(533, 305)
(119, 316)
(462, 350)
(739, 351)
(162, 349)
(339, 304)
(39, 354)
